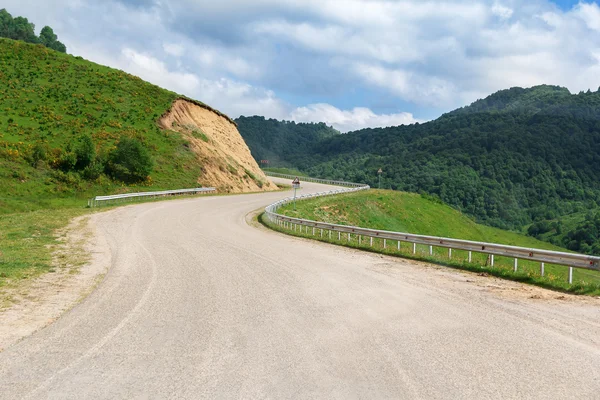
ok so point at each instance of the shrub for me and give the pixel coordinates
(85, 153)
(39, 152)
(130, 161)
(93, 171)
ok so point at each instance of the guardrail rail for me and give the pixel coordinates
(571, 260)
(95, 201)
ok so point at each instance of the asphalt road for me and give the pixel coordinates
(198, 304)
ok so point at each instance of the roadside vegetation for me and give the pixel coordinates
(422, 214)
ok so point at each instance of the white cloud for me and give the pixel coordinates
(174, 49)
(501, 11)
(590, 13)
(349, 120)
(410, 85)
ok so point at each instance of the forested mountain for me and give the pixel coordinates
(515, 157)
(20, 28)
(278, 141)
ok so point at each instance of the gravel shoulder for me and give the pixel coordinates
(80, 262)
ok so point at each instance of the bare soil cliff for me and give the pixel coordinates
(226, 160)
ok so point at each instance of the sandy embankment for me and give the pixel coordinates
(226, 160)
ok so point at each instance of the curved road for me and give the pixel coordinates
(198, 304)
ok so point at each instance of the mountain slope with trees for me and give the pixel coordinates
(277, 141)
(516, 157)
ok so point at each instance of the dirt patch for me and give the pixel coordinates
(80, 262)
(226, 160)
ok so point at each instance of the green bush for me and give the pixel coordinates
(39, 153)
(86, 152)
(93, 171)
(130, 161)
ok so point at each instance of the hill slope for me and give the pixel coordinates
(276, 141)
(518, 156)
(50, 102)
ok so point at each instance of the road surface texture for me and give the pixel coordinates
(199, 304)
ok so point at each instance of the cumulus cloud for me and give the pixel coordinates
(174, 49)
(501, 11)
(349, 120)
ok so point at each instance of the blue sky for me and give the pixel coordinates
(350, 63)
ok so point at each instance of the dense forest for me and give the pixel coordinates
(516, 158)
(20, 28)
(279, 141)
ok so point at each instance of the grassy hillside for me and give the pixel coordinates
(49, 101)
(418, 214)
(52, 105)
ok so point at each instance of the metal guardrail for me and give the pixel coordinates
(571, 260)
(315, 180)
(93, 202)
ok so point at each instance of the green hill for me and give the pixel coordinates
(276, 141)
(51, 104)
(422, 214)
(516, 157)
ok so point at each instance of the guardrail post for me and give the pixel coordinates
(313, 231)
(359, 239)
(449, 253)
(321, 232)
(371, 241)
(348, 237)
(516, 265)
(430, 250)
(470, 255)
(542, 269)
(398, 245)
(414, 248)
(570, 275)
(329, 235)
(384, 243)
(339, 236)
(491, 260)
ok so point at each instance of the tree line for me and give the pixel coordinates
(20, 28)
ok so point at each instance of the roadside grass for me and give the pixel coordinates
(408, 212)
(27, 242)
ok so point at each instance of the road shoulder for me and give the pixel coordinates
(80, 263)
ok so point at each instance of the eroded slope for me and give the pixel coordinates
(226, 160)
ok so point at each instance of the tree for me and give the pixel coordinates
(130, 161)
(49, 39)
(20, 28)
(86, 152)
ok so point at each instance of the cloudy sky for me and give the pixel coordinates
(350, 63)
